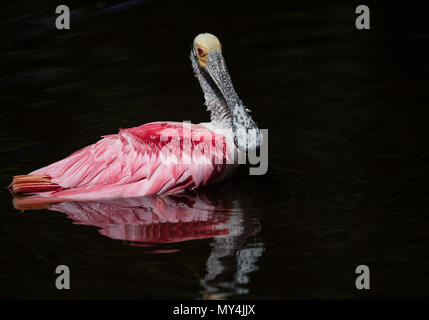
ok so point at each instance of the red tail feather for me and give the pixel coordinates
(32, 184)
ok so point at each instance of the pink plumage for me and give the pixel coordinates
(155, 158)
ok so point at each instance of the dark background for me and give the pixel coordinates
(346, 111)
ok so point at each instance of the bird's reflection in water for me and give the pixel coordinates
(233, 256)
(157, 220)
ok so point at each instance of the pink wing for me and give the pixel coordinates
(156, 158)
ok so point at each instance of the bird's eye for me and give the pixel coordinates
(200, 51)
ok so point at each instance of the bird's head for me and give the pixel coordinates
(210, 69)
(204, 44)
(222, 100)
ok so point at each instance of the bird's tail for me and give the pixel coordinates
(32, 184)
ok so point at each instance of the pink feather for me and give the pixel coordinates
(135, 162)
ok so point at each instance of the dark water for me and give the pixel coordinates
(348, 173)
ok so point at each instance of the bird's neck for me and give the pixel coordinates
(247, 135)
(227, 111)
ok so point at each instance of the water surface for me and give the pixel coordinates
(348, 174)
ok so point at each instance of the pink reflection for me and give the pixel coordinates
(150, 219)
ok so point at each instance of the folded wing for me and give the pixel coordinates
(156, 158)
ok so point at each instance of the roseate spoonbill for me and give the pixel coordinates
(139, 161)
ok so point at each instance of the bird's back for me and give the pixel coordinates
(158, 157)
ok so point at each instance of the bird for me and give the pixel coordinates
(161, 157)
